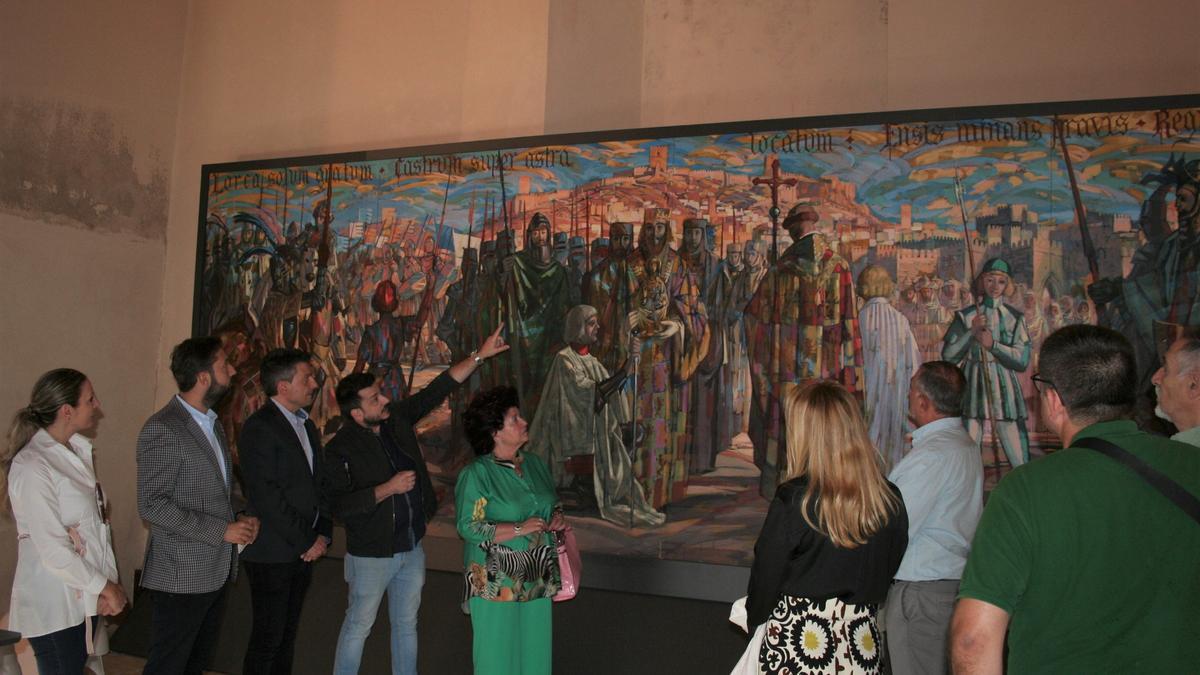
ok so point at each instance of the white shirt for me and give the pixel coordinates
(1189, 436)
(208, 421)
(296, 419)
(53, 490)
(941, 481)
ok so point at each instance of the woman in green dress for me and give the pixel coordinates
(506, 507)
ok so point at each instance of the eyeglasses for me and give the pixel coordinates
(1038, 381)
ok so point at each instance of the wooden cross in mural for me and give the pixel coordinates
(774, 182)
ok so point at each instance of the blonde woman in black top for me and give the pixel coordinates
(832, 540)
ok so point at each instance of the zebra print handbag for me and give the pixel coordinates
(519, 575)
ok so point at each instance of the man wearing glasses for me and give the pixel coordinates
(1083, 563)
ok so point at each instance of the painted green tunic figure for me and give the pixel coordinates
(999, 330)
(536, 301)
(503, 509)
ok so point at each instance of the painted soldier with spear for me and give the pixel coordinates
(989, 340)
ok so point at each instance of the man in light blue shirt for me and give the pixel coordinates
(207, 421)
(941, 480)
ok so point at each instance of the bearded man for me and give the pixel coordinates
(536, 297)
(667, 353)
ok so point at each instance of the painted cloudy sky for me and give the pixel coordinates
(1109, 167)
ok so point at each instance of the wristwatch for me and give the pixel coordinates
(516, 528)
(477, 358)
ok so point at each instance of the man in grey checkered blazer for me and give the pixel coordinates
(185, 494)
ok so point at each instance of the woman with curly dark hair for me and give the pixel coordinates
(506, 506)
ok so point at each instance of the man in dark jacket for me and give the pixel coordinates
(380, 489)
(280, 454)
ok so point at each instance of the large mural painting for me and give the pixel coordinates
(715, 266)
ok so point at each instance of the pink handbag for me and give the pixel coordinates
(569, 565)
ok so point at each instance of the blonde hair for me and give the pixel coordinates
(53, 390)
(827, 441)
(875, 282)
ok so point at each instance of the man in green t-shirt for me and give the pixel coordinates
(1087, 567)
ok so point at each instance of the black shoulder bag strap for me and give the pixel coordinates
(1158, 480)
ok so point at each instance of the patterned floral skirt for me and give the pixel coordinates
(823, 636)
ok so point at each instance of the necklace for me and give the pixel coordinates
(514, 463)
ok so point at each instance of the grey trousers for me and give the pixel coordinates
(917, 616)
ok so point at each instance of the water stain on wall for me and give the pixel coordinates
(72, 165)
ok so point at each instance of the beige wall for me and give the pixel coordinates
(83, 287)
(389, 74)
(275, 78)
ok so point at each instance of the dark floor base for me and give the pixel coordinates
(599, 631)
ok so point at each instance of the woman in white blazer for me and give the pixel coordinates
(66, 571)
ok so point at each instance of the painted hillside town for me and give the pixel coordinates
(719, 270)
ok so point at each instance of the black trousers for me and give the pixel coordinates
(276, 594)
(183, 631)
(63, 652)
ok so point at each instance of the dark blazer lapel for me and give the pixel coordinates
(314, 441)
(287, 432)
(202, 442)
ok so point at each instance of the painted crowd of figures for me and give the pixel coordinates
(639, 359)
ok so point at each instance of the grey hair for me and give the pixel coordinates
(577, 319)
(1189, 350)
(944, 385)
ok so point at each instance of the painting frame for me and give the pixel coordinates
(682, 578)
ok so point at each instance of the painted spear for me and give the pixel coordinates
(430, 287)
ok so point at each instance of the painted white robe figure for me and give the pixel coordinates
(890, 357)
(567, 425)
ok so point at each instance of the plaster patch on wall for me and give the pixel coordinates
(71, 165)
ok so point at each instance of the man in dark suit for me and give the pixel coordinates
(280, 453)
(185, 494)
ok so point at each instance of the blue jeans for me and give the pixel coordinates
(401, 577)
(63, 652)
